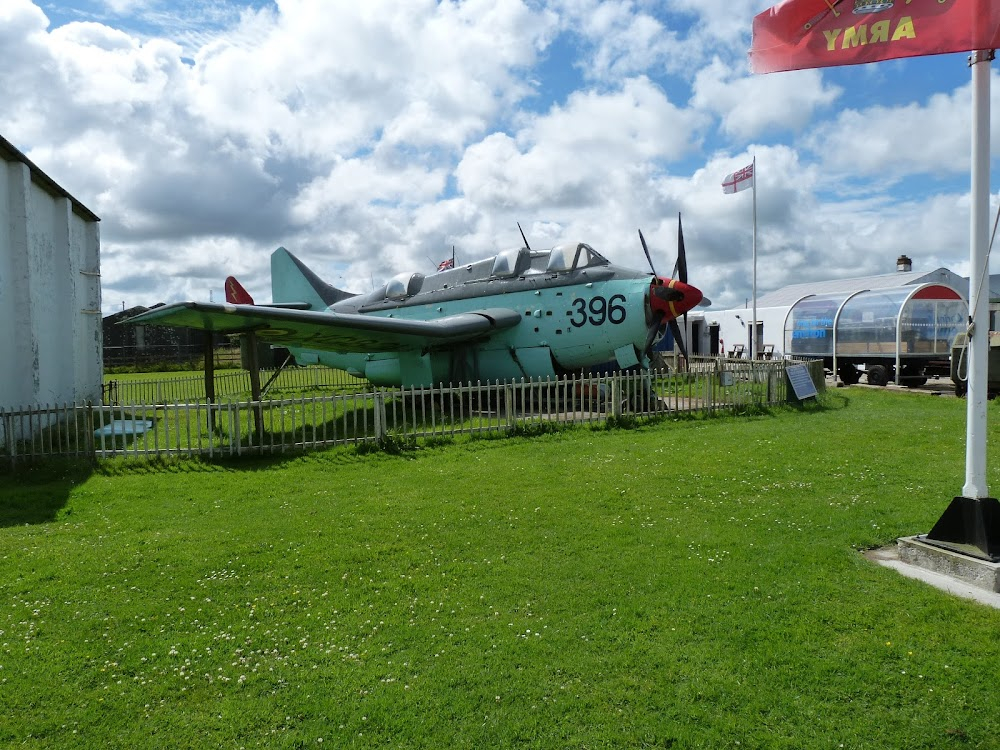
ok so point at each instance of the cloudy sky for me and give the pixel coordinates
(370, 137)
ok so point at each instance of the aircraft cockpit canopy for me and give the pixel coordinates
(403, 285)
(573, 257)
(510, 263)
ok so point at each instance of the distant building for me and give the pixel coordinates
(138, 345)
(723, 331)
(50, 289)
(903, 322)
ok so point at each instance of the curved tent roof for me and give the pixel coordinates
(789, 295)
(903, 321)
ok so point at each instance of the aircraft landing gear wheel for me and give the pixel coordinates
(878, 375)
(961, 388)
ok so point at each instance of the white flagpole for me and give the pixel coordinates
(754, 348)
(972, 521)
(978, 353)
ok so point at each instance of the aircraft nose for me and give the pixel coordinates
(672, 297)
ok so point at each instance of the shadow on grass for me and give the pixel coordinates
(254, 461)
(826, 401)
(829, 401)
(35, 494)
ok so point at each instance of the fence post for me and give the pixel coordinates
(380, 418)
(508, 405)
(9, 442)
(89, 432)
(616, 396)
(717, 374)
(237, 429)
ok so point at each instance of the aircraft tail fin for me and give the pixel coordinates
(293, 282)
(236, 294)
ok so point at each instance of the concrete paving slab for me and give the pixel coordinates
(933, 387)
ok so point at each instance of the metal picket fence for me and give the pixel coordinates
(237, 426)
(186, 388)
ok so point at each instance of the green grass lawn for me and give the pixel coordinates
(689, 584)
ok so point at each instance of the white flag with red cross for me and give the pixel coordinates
(738, 180)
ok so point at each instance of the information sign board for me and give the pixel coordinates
(801, 382)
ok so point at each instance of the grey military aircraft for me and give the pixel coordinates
(523, 313)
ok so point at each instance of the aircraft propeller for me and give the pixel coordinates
(649, 259)
(663, 292)
(681, 274)
(658, 314)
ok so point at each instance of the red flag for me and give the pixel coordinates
(444, 265)
(797, 34)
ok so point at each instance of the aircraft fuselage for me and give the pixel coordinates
(572, 317)
(521, 314)
(564, 328)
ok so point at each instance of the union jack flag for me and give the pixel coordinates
(444, 265)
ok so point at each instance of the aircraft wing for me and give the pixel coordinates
(331, 331)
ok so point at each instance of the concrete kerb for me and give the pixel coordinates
(933, 387)
(956, 574)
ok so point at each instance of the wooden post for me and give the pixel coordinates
(258, 416)
(209, 350)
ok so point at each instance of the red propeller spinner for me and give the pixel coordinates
(672, 298)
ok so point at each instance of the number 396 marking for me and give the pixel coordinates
(600, 311)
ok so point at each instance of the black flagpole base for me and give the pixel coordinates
(969, 526)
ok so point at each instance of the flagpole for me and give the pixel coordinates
(978, 354)
(971, 523)
(753, 330)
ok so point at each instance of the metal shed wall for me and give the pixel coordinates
(50, 289)
(734, 327)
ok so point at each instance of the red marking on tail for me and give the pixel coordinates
(236, 294)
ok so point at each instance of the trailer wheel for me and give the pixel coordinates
(913, 377)
(878, 375)
(849, 374)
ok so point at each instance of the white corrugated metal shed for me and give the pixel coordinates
(50, 289)
(10, 153)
